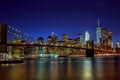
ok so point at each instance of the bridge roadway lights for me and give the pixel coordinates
(89, 52)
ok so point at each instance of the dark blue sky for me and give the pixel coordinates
(41, 17)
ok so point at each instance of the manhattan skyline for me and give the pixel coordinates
(40, 18)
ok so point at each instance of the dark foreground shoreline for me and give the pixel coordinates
(11, 61)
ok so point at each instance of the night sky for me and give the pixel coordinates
(41, 17)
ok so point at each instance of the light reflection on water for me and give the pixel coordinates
(98, 68)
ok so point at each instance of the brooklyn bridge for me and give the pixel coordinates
(25, 45)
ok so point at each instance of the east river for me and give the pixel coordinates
(97, 68)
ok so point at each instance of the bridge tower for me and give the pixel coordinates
(3, 38)
(90, 48)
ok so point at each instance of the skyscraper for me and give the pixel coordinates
(52, 39)
(65, 37)
(81, 39)
(87, 36)
(110, 39)
(104, 36)
(98, 34)
(52, 35)
(106, 39)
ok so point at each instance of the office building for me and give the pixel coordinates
(81, 39)
(98, 35)
(104, 37)
(65, 37)
(87, 36)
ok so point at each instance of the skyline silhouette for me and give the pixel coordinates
(41, 17)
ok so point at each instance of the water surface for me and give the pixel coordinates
(98, 68)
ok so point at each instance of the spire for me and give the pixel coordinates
(98, 22)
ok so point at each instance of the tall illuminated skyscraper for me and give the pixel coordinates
(98, 34)
(110, 39)
(52, 39)
(52, 35)
(106, 39)
(87, 36)
(104, 36)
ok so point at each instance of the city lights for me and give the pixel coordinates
(67, 46)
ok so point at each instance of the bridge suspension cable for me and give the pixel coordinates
(20, 35)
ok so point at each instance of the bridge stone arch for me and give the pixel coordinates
(3, 38)
(90, 52)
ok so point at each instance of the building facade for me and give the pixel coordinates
(65, 37)
(98, 35)
(106, 39)
(87, 36)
